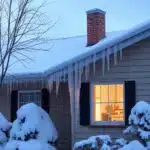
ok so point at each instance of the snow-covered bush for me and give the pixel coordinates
(134, 145)
(5, 126)
(119, 143)
(139, 121)
(102, 142)
(28, 145)
(33, 123)
(33, 129)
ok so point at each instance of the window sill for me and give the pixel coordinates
(107, 124)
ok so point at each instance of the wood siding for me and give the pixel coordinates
(135, 65)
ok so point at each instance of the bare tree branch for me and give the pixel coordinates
(22, 30)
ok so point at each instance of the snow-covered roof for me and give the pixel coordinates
(64, 51)
(59, 51)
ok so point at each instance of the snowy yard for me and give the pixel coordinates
(34, 130)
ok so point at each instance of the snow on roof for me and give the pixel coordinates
(64, 51)
(59, 51)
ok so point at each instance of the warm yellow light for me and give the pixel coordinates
(108, 102)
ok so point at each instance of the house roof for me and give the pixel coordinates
(65, 51)
(59, 51)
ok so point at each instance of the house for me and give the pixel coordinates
(92, 87)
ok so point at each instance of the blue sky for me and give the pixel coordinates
(120, 14)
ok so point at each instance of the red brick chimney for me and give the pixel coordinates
(95, 26)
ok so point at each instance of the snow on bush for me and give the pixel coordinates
(33, 123)
(119, 143)
(5, 126)
(32, 130)
(134, 145)
(139, 121)
(102, 142)
(28, 145)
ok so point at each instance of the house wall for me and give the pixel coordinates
(59, 108)
(135, 65)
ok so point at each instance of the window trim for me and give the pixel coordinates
(104, 123)
(27, 91)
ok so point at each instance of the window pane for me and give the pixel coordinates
(31, 97)
(104, 93)
(102, 112)
(97, 112)
(97, 93)
(117, 112)
(120, 93)
(112, 93)
(116, 93)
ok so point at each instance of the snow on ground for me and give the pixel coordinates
(33, 123)
(134, 145)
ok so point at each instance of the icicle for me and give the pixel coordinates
(64, 75)
(108, 59)
(115, 55)
(70, 80)
(10, 86)
(94, 64)
(86, 69)
(103, 63)
(76, 75)
(42, 83)
(50, 83)
(80, 74)
(57, 83)
(120, 51)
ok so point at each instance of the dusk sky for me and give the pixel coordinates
(120, 14)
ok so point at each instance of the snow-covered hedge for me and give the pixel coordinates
(139, 121)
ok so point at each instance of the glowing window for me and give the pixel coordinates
(108, 103)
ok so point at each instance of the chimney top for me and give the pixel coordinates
(95, 10)
(95, 26)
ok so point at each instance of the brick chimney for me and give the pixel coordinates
(95, 26)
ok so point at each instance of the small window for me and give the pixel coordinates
(29, 97)
(108, 104)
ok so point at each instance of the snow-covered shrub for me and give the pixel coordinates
(134, 145)
(28, 145)
(119, 143)
(33, 127)
(139, 121)
(102, 142)
(33, 123)
(5, 126)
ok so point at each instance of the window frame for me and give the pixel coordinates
(27, 91)
(104, 123)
